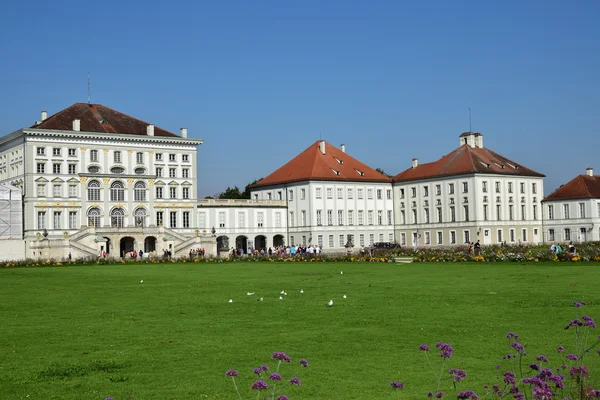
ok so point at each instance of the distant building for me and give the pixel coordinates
(572, 212)
(470, 194)
(332, 199)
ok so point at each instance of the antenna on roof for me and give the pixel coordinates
(470, 120)
(89, 90)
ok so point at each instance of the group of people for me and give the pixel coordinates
(196, 253)
(556, 248)
(285, 251)
(474, 248)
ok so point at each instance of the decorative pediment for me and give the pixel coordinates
(173, 183)
(41, 180)
(57, 180)
(159, 183)
(73, 180)
(186, 183)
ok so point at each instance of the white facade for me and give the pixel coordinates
(331, 213)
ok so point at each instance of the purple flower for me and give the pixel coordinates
(496, 388)
(545, 374)
(264, 367)
(257, 371)
(231, 372)
(282, 397)
(575, 322)
(439, 395)
(280, 355)
(445, 349)
(579, 371)
(572, 357)
(260, 385)
(588, 321)
(558, 381)
(534, 366)
(458, 374)
(509, 378)
(397, 385)
(109, 398)
(430, 394)
(424, 347)
(508, 356)
(275, 377)
(304, 363)
(467, 394)
(519, 396)
(512, 335)
(295, 381)
(542, 358)
(579, 303)
(514, 389)
(518, 346)
(560, 349)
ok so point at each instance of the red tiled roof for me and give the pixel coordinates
(466, 160)
(98, 118)
(312, 164)
(580, 187)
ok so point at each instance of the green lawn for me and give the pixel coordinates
(92, 332)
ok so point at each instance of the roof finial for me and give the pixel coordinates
(89, 89)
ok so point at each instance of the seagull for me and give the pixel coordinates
(285, 293)
(142, 281)
(250, 293)
(344, 296)
(261, 299)
(341, 272)
(280, 298)
(282, 292)
(301, 291)
(230, 300)
(330, 303)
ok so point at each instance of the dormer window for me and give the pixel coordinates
(339, 161)
(335, 171)
(360, 172)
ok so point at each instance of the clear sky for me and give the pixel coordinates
(260, 81)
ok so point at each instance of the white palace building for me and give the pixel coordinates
(94, 179)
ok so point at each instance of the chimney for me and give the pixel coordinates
(343, 148)
(44, 115)
(589, 171)
(184, 132)
(415, 162)
(322, 146)
(150, 130)
(76, 125)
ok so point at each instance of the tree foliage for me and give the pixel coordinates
(235, 193)
(382, 172)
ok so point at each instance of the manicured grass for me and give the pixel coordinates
(95, 331)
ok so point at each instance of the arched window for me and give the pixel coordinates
(140, 217)
(139, 191)
(94, 191)
(116, 217)
(94, 217)
(117, 191)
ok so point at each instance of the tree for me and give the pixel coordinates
(382, 172)
(246, 192)
(231, 193)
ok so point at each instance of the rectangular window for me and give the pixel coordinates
(292, 218)
(172, 157)
(425, 191)
(535, 212)
(302, 194)
(567, 234)
(241, 220)
(41, 167)
(484, 186)
(350, 217)
(371, 238)
(485, 212)
(72, 190)
(185, 173)
(318, 193)
(94, 155)
(499, 235)
(550, 212)
(41, 151)
(342, 243)
(159, 192)
(551, 235)
(452, 214)
(72, 169)
(566, 211)
(380, 237)
(41, 190)
(185, 158)
(202, 220)
(117, 157)
(260, 219)
(278, 219)
(340, 217)
(426, 211)
(402, 217)
(159, 218)
(320, 241)
(466, 211)
(413, 192)
(451, 188)
(172, 193)
(523, 212)
(359, 194)
(159, 172)
(139, 157)
(319, 217)
(522, 185)
(56, 191)
(292, 241)
(379, 194)
(72, 152)
(439, 214)
(56, 151)
(158, 157)
(439, 238)
(329, 193)
(581, 210)
(414, 213)
(534, 188)
(497, 186)
(221, 219)
(186, 192)
(173, 219)
(329, 217)
(403, 239)
(510, 187)
(370, 194)
(56, 168)
(57, 218)
(511, 234)
(370, 217)
(438, 190)
(388, 194)
(401, 193)
(303, 240)
(465, 187)
(186, 219)
(379, 217)
(303, 218)
(361, 239)
(291, 195)
(41, 219)
(498, 212)
(467, 236)
(360, 217)
(389, 217)
(279, 195)
(340, 193)
(331, 241)
(172, 172)
(427, 238)
(72, 219)
(452, 237)
(524, 235)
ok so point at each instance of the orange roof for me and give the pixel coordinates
(580, 187)
(98, 118)
(466, 160)
(312, 164)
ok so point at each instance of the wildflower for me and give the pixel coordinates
(397, 385)
(430, 394)
(282, 397)
(275, 377)
(264, 367)
(304, 363)
(467, 394)
(279, 355)
(575, 322)
(534, 366)
(579, 303)
(509, 377)
(572, 357)
(588, 321)
(424, 347)
(512, 335)
(518, 346)
(231, 372)
(439, 395)
(558, 381)
(579, 371)
(260, 385)
(542, 358)
(295, 381)
(508, 356)
(560, 349)
(445, 349)
(257, 371)
(458, 374)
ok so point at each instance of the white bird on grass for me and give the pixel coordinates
(330, 303)
(301, 291)
(285, 293)
(250, 293)
(344, 296)
(230, 301)
(261, 299)
(341, 272)
(280, 298)
(142, 281)
(282, 292)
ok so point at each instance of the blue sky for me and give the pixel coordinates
(260, 81)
